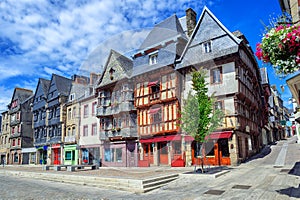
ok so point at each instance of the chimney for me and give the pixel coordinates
(190, 20)
(93, 78)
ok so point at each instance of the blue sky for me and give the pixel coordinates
(41, 37)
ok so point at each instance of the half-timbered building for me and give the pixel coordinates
(234, 78)
(156, 92)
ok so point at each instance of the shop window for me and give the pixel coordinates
(177, 147)
(223, 146)
(85, 156)
(209, 148)
(16, 158)
(107, 155)
(70, 155)
(118, 155)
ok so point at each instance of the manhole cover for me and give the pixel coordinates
(285, 170)
(214, 192)
(243, 187)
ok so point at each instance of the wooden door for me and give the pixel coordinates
(163, 153)
(148, 153)
(56, 156)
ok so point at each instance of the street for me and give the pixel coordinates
(264, 176)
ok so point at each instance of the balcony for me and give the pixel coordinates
(128, 132)
(104, 111)
(15, 122)
(70, 139)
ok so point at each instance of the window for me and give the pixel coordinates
(218, 105)
(13, 142)
(94, 129)
(102, 124)
(216, 75)
(108, 155)
(153, 59)
(207, 46)
(57, 112)
(70, 155)
(19, 142)
(73, 131)
(118, 155)
(69, 113)
(85, 111)
(94, 108)
(72, 97)
(74, 113)
(85, 130)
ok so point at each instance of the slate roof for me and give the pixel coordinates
(45, 85)
(208, 28)
(21, 94)
(79, 90)
(121, 65)
(169, 28)
(166, 56)
(63, 84)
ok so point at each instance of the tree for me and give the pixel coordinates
(198, 116)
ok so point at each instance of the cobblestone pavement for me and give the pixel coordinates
(259, 178)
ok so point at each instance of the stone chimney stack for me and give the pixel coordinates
(191, 16)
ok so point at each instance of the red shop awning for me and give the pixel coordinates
(161, 139)
(152, 83)
(219, 135)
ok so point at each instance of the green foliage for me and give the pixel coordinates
(198, 118)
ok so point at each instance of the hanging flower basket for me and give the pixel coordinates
(280, 47)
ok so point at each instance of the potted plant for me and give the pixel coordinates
(280, 47)
(118, 129)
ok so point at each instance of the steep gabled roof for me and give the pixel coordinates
(119, 64)
(63, 84)
(208, 28)
(21, 94)
(45, 85)
(165, 30)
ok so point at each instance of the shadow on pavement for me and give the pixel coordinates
(264, 152)
(291, 191)
(295, 170)
(209, 170)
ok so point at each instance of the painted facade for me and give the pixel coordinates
(39, 120)
(71, 136)
(89, 142)
(4, 138)
(20, 125)
(116, 113)
(234, 78)
(156, 94)
(57, 96)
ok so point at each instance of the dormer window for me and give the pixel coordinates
(153, 59)
(72, 97)
(207, 46)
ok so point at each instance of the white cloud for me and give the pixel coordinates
(54, 36)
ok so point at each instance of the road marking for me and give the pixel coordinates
(281, 156)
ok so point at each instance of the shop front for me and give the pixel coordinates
(161, 151)
(215, 150)
(41, 154)
(56, 154)
(71, 155)
(120, 154)
(29, 156)
(90, 154)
